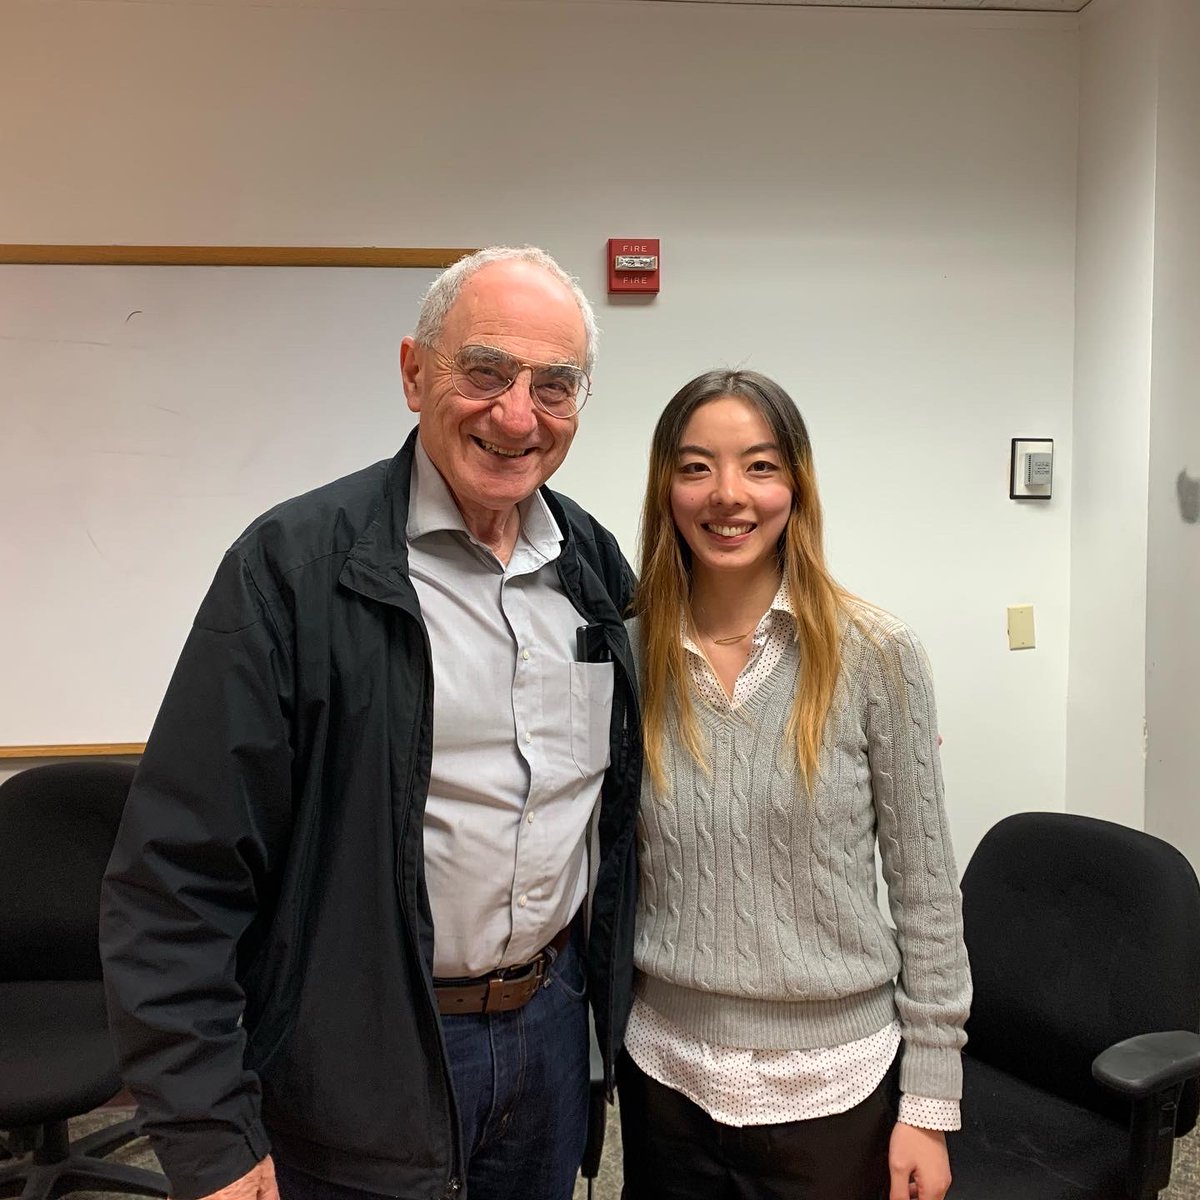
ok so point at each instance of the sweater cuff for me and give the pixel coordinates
(921, 1112)
(931, 1071)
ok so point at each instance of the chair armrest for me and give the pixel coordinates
(1147, 1064)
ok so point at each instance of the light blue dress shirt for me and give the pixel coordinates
(520, 734)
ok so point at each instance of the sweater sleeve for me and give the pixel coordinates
(933, 990)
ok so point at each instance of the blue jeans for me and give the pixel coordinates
(521, 1081)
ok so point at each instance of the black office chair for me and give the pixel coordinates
(1083, 1047)
(57, 826)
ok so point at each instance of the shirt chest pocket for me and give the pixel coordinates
(591, 712)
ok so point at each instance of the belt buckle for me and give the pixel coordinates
(499, 982)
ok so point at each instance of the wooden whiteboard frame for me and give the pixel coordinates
(207, 256)
(235, 256)
(78, 750)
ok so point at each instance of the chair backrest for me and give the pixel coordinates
(57, 828)
(1080, 933)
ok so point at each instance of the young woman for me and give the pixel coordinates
(785, 1040)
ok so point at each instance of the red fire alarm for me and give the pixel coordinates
(633, 265)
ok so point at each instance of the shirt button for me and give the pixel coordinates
(529, 819)
(528, 736)
(522, 900)
(525, 655)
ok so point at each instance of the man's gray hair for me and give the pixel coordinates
(444, 290)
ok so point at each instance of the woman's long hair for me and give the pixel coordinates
(663, 596)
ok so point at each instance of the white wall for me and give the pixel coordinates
(1111, 427)
(1135, 639)
(877, 207)
(1173, 598)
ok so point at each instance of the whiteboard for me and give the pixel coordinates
(147, 416)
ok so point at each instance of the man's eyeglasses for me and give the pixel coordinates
(484, 372)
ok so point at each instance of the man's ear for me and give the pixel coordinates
(412, 373)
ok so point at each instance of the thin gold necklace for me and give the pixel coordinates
(728, 641)
(721, 641)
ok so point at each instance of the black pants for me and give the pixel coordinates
(673, 1150)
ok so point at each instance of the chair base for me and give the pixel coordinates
(59, 1166)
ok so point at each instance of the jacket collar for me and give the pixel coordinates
(377, 565)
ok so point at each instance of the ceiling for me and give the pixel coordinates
(1068, 6)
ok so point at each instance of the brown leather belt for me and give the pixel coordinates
(503, 990)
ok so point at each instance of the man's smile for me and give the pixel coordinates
(492, 448)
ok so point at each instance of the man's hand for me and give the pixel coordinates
(256, 1184)
(919, 1164)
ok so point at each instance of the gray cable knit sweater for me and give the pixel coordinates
(758, 922)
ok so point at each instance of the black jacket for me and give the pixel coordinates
(266, 928)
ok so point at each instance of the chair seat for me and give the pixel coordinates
(56, 1060)
(1022, 1141)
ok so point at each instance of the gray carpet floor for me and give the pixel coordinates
(1185, 1179)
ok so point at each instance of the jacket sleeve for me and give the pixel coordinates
(203, 835)
(933, 991)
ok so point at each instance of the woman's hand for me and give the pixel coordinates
(919, 1164)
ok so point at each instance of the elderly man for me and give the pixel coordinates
(386, 812)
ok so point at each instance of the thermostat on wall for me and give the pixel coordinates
(1031, 469)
